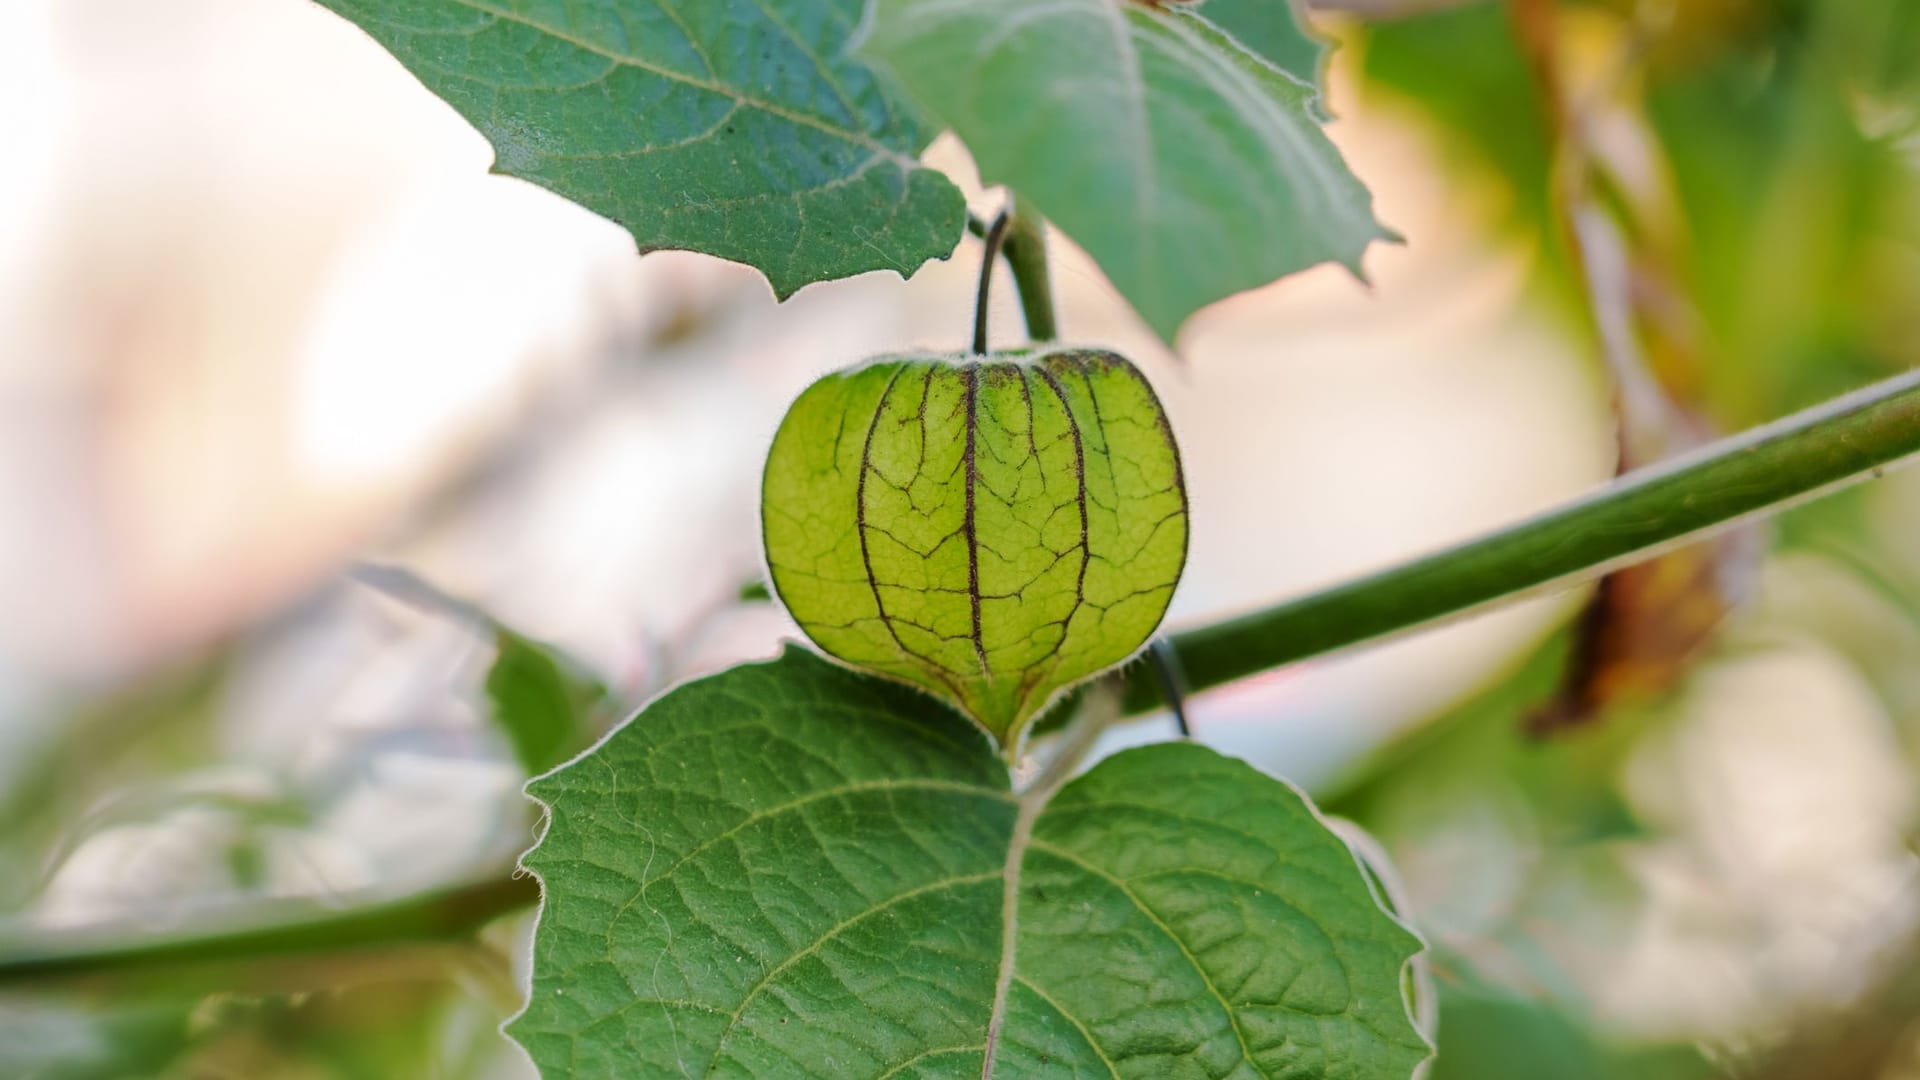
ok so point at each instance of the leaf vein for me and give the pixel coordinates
(832, 932)
(1206, 979)
(1113, 1070)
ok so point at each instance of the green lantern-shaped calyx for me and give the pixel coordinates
(993, 529)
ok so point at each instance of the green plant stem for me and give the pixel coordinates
(291, 932)
(1811, 453)
(1803, 456)
(990, 242)
(1026, 250)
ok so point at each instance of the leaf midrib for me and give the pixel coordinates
(1031, 803)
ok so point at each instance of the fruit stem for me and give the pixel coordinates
(996, 234)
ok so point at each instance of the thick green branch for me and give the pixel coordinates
(1803, 456)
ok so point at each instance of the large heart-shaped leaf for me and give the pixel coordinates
(741, 128)
(792, 870)
(1188, 167)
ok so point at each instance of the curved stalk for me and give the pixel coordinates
(991, 241)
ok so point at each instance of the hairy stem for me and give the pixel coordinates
(1026, 249)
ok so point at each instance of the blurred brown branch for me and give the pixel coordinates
(1645, 624)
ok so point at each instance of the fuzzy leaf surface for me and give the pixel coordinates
(1272, 29)
(1189, 167)
(740, 128)
(791, 870)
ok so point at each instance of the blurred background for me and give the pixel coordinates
(327, 459)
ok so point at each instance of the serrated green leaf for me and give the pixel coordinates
(791, 870)
(1271, 29)
(740, 128)
(1188, 167)
(542, 703)
(991, 529)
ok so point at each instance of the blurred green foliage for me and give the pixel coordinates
(1495, 1035)
(545, 703)
(1786, 133)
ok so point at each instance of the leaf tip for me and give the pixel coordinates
(1355, 263)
